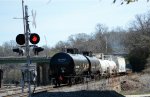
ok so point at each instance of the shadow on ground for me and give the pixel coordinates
(83, 93)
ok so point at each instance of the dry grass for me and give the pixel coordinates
(136, 84)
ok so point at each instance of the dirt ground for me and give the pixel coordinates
(136, 84)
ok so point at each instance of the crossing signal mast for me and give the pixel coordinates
(23, 41)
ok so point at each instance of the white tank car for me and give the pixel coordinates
(107, 67)
(103, 67)
(121, 65)
(112, 67)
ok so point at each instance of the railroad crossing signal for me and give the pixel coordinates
(34, 38)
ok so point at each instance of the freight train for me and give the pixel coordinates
(67, 68)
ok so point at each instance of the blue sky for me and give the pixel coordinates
(58, 19)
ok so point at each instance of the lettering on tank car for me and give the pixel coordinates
(61, 60)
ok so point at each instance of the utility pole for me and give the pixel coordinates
(23, 17)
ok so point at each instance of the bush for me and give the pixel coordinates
(138, 58)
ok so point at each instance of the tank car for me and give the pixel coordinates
(121, 65)
(94, 64)
(107, 67)
(112, 67)
(94, 67)
(104, 66)
(65, 66)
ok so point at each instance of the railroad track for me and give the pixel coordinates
(18, 93)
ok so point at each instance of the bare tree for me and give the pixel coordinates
(126, 1)
(7, 48)
(137, 41)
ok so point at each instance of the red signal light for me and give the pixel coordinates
(34, 38)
